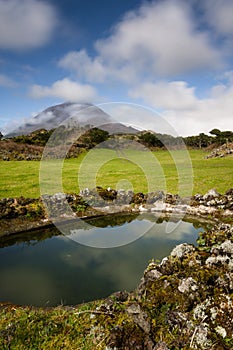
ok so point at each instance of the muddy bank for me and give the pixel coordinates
(22, 214)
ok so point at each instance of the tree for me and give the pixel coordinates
(150, 140)
(222, 137)
(215, 132)
(199, 141)
(204, 140)
(1, 135)
(93, 137)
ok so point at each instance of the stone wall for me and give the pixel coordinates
(109, 200)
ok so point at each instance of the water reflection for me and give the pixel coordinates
(49, 269)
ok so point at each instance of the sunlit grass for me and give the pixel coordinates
(140, 171)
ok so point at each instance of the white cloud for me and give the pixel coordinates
(84, 66)
(228, 76)
(146, 52)
(139, 116)
(213, 112)
(219, 14)
(25, 24)
(162, 37)
(166, 95)
(65, 89)
(158, 39)
(7, 82)
(186, 113)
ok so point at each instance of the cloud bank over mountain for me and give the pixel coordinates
(170, 55)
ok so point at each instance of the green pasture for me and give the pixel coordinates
(140, 171)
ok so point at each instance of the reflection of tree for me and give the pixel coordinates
(30, 237)
(112, 220)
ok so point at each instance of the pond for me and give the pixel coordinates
(46, 268)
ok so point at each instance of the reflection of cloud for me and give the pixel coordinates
(110, 236)
(168, 230)
(59, 268)
(145, 226)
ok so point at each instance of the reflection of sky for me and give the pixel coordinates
(111, 236)
(58, 269)
(175, 231)
(145, 225)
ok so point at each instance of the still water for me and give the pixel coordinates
(46, 268)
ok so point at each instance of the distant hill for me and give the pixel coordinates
(118, 128)
(70, 114)
(68, 118)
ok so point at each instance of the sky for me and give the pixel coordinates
(173, 56)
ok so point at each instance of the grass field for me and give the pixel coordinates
(140, 171)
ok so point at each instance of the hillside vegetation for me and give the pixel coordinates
(30, 147)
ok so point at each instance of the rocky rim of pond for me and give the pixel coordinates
(183, 302)
(22, 214)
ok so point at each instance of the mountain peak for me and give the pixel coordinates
(55, 115)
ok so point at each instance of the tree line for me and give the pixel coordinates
(93, 136)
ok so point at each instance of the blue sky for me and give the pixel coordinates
(174, 56)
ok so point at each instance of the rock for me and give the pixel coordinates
(181, 250)
(223, 254)
(187, 285)
(153, 274)
(161, 346)
(222, 151)
(198, 197)
(216, 260)
(159, 206)
(211, 194)
(221, 331)
(153, 197)
(200, 339)
(85, 192)
(226, 282)
(138, 198)
(225, 248)
(177, 319)
(120, 296)
(143, 208)
(139, 316)
(229, 192)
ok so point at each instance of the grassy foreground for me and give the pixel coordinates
(57, 328)
(134, 170)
